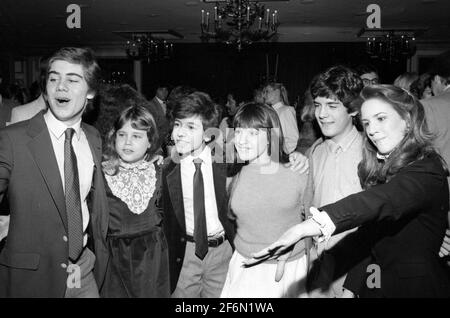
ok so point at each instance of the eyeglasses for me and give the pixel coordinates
(373, 81)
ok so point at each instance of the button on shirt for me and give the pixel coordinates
(187, 168)
(85, 160)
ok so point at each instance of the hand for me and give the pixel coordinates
(298, 162)
(159, 160)
(445, 247)
(4, 226)
(280, 250)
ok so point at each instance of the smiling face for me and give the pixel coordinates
(271, 95)
(334, 120)
(188, 135)
(383, 125)
(131, 144)
(67, 91)
(251, 144)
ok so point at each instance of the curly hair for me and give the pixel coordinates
(416, 144)
(338, 82)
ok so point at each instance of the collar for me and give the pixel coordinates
(205, 155)
(57, 127)
(160, 100)
(277, 105)
(345, 143)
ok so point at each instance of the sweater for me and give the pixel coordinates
(265, 206)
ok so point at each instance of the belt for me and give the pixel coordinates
(212, 241)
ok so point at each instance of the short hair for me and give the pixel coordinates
(140, 118)
(83, 56)
(196, 104)
(365, 69)
(338, 82)
(441, 66)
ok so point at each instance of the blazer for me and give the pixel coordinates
(403, 225)
(174, 217)
(32, 263)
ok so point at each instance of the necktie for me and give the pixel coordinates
(73, 201)
(200, 234)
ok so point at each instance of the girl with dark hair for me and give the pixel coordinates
(139, 257)
(402, 212)
(265, 200)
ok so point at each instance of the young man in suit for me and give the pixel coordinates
(50, 169)
(195, 203)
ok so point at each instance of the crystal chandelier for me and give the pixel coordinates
(390, 45)
(238, 22)
(150, 46)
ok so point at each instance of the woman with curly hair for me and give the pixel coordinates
(402, 214)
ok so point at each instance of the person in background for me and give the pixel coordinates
(368, 74)
(405, 80)
(275, 95)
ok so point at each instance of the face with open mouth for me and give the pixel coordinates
(67, 91)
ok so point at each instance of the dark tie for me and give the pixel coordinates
(200, 234)
(73, 202)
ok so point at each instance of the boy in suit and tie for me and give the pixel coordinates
(195, 203)
(50, 169)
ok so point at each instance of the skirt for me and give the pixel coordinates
(259, 281)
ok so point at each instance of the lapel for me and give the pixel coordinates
(176, 192)
(96, 150)
(41, 149)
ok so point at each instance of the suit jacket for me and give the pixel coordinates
(31, 263)
(27, 111)
(174, 217)
(404, 222)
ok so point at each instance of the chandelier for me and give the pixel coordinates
(150, 46)
(390, 45)
(238, 22)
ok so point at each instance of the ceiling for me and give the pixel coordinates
(42, 23)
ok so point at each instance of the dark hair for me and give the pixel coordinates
(416, 144)
(418, 87)
(196, 104)
(365, 69)
(441, 67)
(338, 82)
(258, 116)
(140, 118)
(83, 56)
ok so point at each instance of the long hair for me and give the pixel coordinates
(416, 144)
(141, 119)
(259, 116)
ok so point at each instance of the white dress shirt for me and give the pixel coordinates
(163, 104)
(187, 168)
(288, 121)
(83, 153)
